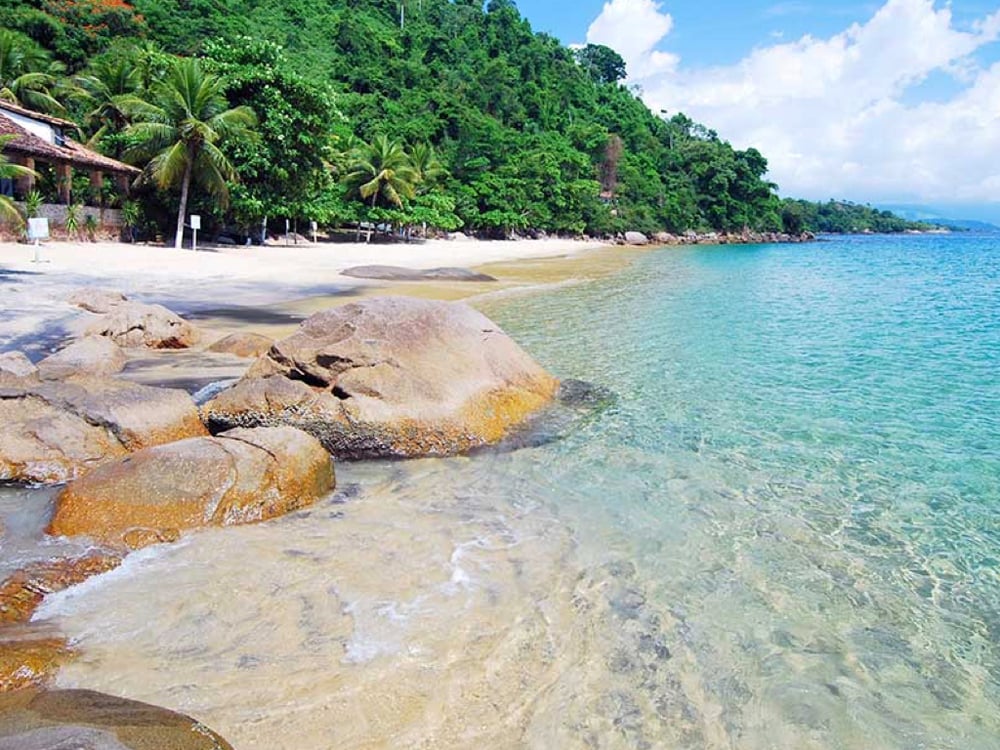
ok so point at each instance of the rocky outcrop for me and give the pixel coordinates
(636, 238)
(23, 591)
(29, 661)
(398, 273)
(391, 376)
(93, 355)
(55, 431)
(241, 476)
(95, 300)
(731, 238)
(87, 720)
(133, 324)
(247, 345)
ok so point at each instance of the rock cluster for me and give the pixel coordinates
(728, 238)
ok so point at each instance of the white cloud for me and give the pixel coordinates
(830, 114)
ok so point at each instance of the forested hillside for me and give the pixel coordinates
(420, 112)
(843, 217)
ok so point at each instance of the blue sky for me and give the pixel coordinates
(896, 100)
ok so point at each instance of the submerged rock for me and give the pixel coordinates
(133, 324)
(92, 355)
(88, 720)
(391, 376)
(55, 431)
(248, 345)
(399, 273)
(22, 592)
(240, 476)
(96, 300)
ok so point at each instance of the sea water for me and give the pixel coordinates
(782, 532)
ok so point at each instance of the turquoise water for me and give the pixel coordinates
(783, 534)
(804, 466)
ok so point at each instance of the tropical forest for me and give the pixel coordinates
(441, 115)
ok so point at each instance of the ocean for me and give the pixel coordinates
(781, 531)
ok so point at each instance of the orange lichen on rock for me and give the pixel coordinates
(23, 590)
(153, 495)
(30, 662)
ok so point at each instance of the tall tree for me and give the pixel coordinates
(180, 132)
(381, 172)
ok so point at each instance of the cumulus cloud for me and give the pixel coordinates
(840, 116)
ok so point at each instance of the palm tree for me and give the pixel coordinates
(27, 75)
(428, 168)
(381, 170)
(179, 132)
(109, 90)
(8, 171)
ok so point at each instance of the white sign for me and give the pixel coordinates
(195, 221)
(38, 229)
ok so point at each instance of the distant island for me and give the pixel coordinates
(845, 217)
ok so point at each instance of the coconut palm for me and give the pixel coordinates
(28, 77)
(178, 132)
(8, 171)
(381, 172)
(428, 168)
(109, 91)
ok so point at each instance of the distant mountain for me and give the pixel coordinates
(935, 215)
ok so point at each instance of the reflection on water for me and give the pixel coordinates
(782, 533)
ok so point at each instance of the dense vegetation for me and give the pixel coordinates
(843, 217)
(430, 113)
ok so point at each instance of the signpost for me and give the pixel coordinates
(195, 226)
(38, 230)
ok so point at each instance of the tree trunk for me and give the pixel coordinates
(185, 187)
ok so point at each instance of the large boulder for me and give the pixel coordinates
(88, 720)
(391, 376)
(636, 238)
(134, 324)
(241, 476)
(247, 345)
(55, 431)
(23, 591)
(96, 300)
(93, 355)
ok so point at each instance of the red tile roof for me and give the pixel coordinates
(26, 143)
(17, 109)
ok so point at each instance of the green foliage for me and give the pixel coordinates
(32, 204)
(601, 63)
(90, 226)
(72, 221)
(843, 217)
(8, 171)
(28, 75)
(502, 129)
(284, 172)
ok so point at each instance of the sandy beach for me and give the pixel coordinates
(34, 315)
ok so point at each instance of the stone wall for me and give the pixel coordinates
(109, 220)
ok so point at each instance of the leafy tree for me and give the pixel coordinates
(286, 172)
(601, 63)
(109, 91)
(179, 132)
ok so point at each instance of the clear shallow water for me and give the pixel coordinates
(784, 534)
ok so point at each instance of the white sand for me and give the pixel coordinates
(33, 295)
